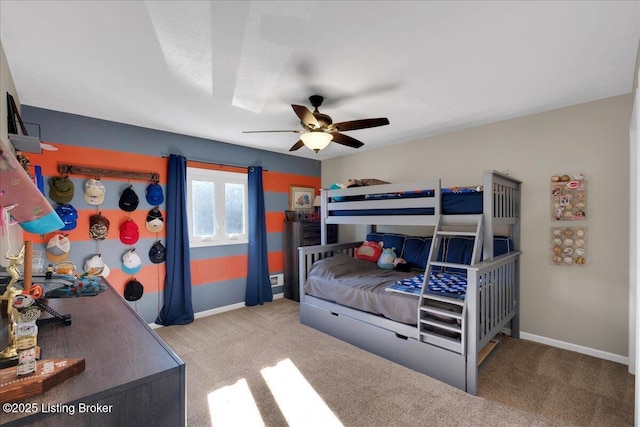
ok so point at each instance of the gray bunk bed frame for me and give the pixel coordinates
(492, 298)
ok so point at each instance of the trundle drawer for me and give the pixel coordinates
(430, 360)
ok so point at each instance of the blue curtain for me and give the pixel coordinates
(177, 308)
(258, 283)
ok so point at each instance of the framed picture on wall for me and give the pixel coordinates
(301, 197)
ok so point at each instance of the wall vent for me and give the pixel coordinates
(277, 280)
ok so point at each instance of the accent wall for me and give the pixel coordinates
(218, 272)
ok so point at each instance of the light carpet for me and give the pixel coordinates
(524, 384)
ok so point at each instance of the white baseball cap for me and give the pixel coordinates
(95, 266)
(58, 248)
(131, 262)
(94, 192)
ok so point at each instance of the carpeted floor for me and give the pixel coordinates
(245, 351)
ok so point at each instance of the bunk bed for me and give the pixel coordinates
(432, 330)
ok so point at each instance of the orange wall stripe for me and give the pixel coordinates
(150, 276)
(99, 158)
(275, 222)
(279, 182)
(213, 270)
(218, 269)
(115, 217)
(276, 261)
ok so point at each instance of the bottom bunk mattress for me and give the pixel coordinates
(360, 284)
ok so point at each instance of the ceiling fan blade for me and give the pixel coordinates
(306, 117)
(262, 131)
(297, 145)
(361, 124)
(346, 140)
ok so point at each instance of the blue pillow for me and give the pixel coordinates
(390, 240)
(416, 251)
(459, 250)
(502, 245)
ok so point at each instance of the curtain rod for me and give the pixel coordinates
(209, 162)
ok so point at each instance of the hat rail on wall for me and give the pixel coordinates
(67, 169)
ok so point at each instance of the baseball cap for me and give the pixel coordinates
(98, 226)
(60, 189)
(131, 262)
(155, 221)
(94, 192)
(133, 290)
(68, 215)
(128, 200)
(154, 194)
(157, 253)
(95, 266)
(129, 232)
(58, 248)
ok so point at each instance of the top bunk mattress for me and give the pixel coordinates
(454, 201)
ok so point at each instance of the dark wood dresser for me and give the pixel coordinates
(129, 370)
(296, 234)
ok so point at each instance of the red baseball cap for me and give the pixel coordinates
(129, 232)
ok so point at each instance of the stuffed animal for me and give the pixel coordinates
(337, 186)
(400, 264)
(369, 251)
(364, 182)
(386, 259)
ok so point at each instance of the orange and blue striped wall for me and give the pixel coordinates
(219, 272)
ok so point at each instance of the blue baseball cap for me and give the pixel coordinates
(154, 194)
(68, 215)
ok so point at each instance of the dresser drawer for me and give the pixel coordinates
(311, 241)
(311, 232)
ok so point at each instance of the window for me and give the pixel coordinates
(217, 207)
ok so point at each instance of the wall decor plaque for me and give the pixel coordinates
(568, 198)
(569, 246)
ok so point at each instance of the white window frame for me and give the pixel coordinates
(219, 178)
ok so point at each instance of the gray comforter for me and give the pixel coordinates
(361, 284)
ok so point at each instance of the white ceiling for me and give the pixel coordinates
(214, 69)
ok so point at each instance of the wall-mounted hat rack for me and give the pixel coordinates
(66, 169)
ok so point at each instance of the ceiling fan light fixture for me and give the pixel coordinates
(316, 140)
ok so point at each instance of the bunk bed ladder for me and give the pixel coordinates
(442, 319)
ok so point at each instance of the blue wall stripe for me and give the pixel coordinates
(274, 243)
(111, 250)
(276, 202)
(219, 294)
(89, 132)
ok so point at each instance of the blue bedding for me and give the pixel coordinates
(452, 285)
(454, 202)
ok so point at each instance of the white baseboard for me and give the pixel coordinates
(523, 335)
(216, 310)
(572, 347)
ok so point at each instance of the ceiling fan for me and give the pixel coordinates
(319, 130)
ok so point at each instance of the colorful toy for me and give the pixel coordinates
(369, 251)
(386, 259)
(400, 264)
